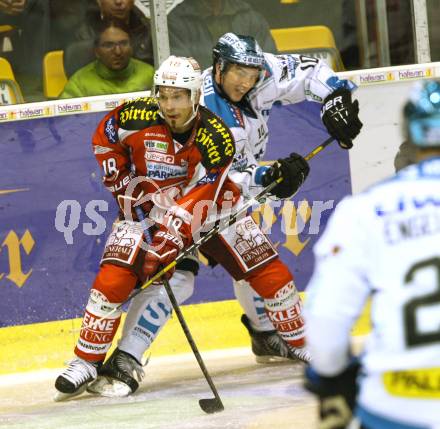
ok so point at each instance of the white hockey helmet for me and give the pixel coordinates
(179, 72)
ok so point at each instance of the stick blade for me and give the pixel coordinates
(211, 405)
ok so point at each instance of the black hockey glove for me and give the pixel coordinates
(340, 116)
(293, 169)
(336, 395)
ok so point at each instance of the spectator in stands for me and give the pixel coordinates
(114, 70)
(194, 27)
(80, 52)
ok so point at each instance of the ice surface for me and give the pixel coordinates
(255, 396)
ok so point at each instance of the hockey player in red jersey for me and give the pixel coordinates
(179, 146)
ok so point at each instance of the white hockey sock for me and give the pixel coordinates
(253, 306)
(149, 311)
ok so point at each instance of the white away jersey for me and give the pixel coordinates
(288, 79)
(384, 243)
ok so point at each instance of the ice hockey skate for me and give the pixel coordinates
(269, 347)
(75, 378)
(118, 377)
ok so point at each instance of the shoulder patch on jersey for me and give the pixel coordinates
(214, 140)
(110, 130)
(139, 113)
(288, 65)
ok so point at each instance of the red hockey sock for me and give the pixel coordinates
(111, 287)
(282, 303)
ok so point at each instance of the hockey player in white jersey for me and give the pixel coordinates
(385, 244)
(241, 87)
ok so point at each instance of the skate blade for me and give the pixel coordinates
(274, 359)
(60, 396)
(108, 388)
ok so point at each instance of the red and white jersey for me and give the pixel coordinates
(134, 141)
(288, 79)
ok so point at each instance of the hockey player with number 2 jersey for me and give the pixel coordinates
(383, 243)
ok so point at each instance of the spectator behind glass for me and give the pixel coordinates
(194, 27)
(80, 52)
(31, 18)
(114, 70)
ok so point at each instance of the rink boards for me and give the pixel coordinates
(55, 214)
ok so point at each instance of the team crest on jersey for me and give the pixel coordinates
(110, 130)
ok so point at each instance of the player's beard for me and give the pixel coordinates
(173, 124)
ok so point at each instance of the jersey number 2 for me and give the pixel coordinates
(413, 336)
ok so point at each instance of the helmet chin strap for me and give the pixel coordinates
(193, 115)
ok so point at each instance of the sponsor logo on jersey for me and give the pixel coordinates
(159, 157)
(208, 88)
(156, 146)
(423, 383)
(133, 113)
(165, 172)
(157, 135)
(110, 130)
(210, 178)
(240, 162)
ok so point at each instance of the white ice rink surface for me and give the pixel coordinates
(255, 397)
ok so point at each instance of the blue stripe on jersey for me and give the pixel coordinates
(370, 420)
(218, 105)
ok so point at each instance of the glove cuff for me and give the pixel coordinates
(259, 173)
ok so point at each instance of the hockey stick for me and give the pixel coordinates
(210, 405)
(318, 149)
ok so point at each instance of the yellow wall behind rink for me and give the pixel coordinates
(49, 345)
